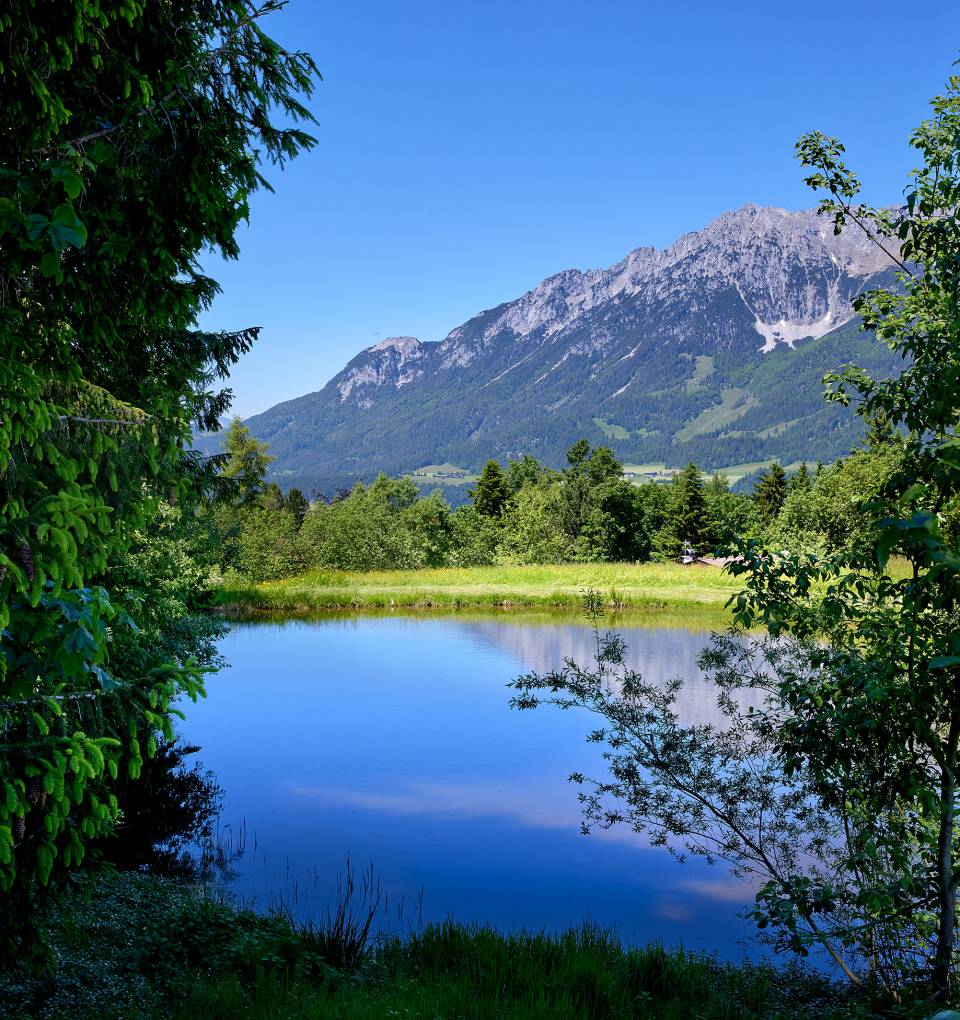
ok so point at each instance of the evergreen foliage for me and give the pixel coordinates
(245, 465)
(297, 504)
(491, 491)
(730, 516)
(687, 525)
(588, 513)
(771, 492)
(131, 138)
(800, 480)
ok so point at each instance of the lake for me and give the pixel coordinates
(389, 739)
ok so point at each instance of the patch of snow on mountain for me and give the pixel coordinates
(789, 333)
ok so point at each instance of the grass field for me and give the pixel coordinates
(644, 472)
(441, 474)
(681, 596)
(622, 585)
(703, 367)
(638, 474)
(611, 430)
(734, 404)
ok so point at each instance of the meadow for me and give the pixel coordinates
(622, 585)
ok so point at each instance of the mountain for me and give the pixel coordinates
(711, 350)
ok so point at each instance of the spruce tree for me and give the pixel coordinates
(491, 492)
(297, 504)
(271, 498)
(771, 492)
(246, 463)
(688, 524)
(881, 434)
(800, 482)
(578, 454)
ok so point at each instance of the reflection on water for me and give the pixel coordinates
(390, 739)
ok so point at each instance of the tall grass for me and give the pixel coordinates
(473, 973)
(342, 936)
(128, 945)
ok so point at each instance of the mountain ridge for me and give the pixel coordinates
(732, 325)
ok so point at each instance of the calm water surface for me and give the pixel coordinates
(390, 739)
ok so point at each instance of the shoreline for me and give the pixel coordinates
(128, 944)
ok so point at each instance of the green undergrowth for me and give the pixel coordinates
(127, 945)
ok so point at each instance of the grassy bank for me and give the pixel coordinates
(134, 946)
(623, 585)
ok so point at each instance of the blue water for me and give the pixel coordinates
(391, 740)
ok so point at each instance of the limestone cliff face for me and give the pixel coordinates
(752, 279)
(667, 355)
(392, 362)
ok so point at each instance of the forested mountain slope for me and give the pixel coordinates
(712, 350)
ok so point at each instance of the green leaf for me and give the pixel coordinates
(106, 679)
(914, 492)
(66, 229)
(36, 225)
(945, 661)
(948, 559)
(884, 546)
(72, 182)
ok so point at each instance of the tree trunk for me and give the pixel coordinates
(946, 887)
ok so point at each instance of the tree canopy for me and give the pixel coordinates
(876, 719)
(132, 136)
(245, 463)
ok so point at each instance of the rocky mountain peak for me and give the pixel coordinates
(391, 362)
(759, 233)
(405, 346)
(794, 277)
(664, 355)
(774, 275)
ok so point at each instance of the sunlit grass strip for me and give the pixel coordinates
(622, 585)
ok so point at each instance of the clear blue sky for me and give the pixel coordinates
(467, 150)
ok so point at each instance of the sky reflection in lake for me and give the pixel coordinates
(390, 739)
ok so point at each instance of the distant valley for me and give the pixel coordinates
(711, 350)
